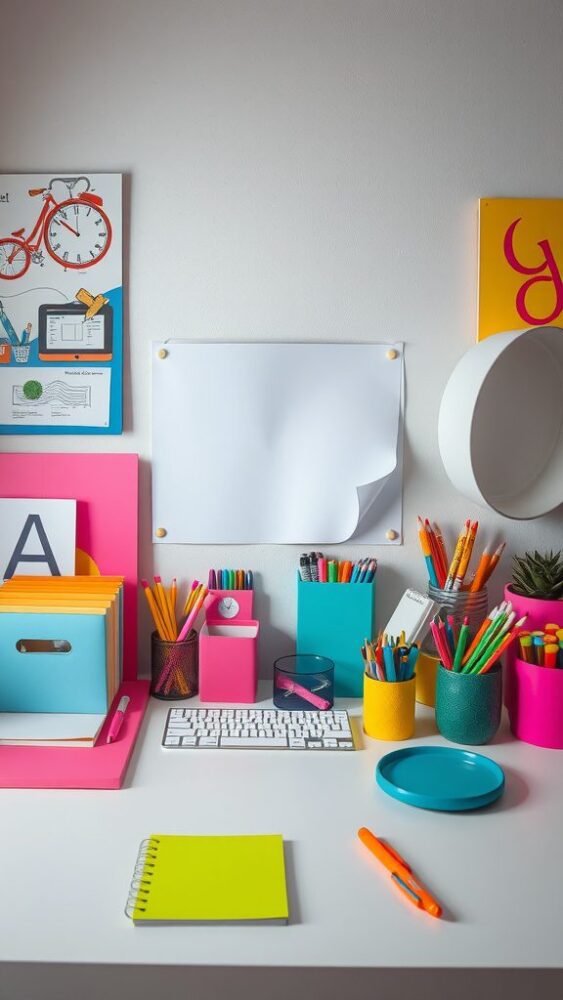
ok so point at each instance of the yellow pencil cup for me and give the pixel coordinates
(389, 708)
(426, 671)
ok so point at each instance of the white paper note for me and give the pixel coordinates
(258, 443)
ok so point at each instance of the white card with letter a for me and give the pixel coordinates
(37, 538)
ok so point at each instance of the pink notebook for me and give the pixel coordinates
(103, 766)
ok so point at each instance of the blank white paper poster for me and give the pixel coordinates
(282, 443)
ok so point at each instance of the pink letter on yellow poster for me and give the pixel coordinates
(520, 264)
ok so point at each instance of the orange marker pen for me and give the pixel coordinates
(401, 873)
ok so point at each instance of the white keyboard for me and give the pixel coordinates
(256, 729)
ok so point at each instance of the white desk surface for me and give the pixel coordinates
(68, 857)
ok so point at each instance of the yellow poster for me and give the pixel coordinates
(520, 264)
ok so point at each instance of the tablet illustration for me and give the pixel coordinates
(66, 335)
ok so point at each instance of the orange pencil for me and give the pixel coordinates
(479, 578)
(171, 598)
(441, 548)
(164, 607)
(458, 552)
(465, 556)
(435, 553)
(156, 616)
(494, 560)
(192, 596)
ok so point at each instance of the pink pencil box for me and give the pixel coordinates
(228, 661)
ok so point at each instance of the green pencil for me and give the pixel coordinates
(461, 644)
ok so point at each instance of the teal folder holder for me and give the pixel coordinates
(333, 619)
(71, 681)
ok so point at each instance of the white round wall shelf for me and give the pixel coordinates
(500, 428)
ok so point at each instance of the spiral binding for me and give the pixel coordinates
(142, 877)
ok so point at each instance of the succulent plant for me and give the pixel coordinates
(539, 576)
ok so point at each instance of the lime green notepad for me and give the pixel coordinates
(209, 879)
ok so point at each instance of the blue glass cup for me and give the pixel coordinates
(304, 682)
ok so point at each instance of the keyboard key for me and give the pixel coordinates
(253, 741)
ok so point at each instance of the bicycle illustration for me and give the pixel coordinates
(76, 231)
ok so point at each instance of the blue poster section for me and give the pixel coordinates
(115, 426)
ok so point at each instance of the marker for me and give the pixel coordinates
(389, 660)
(332, 571)
(537, 642)
(212, 582)
(314, 564)
(305, 568)
(551, 653)
(526, 653)
(401, 873)
(249, 580)
(117, 720)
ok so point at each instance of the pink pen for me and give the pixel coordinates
(286, 684)
(117, 720)
(322, 570)
(196, 615)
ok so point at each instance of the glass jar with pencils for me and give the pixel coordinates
(459, 604)
(174, 667)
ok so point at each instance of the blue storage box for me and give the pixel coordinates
(333, 619)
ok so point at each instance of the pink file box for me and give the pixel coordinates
(228, 661)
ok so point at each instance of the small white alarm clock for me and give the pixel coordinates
(228, 607)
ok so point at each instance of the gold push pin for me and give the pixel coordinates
(391, 535)
(160, 532)
(162, 354)
(392, 354)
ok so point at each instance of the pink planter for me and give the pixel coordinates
(534, 695)
(540, 613)
(536, 704)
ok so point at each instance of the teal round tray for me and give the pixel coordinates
(440, 778)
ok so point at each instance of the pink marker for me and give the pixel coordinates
(117, 720)
(196, 615)
(286, 684)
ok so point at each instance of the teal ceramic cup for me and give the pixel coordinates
(468, 706)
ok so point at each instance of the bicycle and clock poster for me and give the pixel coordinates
(61, 311)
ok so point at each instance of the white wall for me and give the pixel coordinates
(303, 171)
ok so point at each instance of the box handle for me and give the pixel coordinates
(43, 646)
